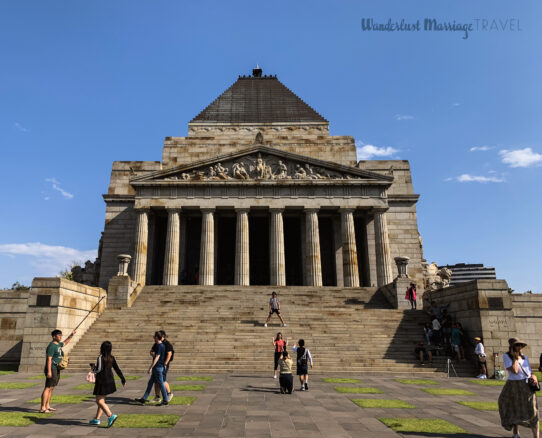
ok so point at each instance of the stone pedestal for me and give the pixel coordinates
(124, 261)
(242, 255)
(276, 242)
(384, 273)
(207, 249)
(142, 236)
(312, 236)
(171, 262)
(350, 254)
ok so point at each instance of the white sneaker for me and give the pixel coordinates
(483, 376)
(284, 325)
(169, 397)
(265, 325)
(302, 388)
(275, 376)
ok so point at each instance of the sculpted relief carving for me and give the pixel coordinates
(254, 167)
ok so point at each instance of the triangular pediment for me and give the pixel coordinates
(262, 163)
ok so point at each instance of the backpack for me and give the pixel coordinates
(302, 361)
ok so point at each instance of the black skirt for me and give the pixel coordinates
(105, 381)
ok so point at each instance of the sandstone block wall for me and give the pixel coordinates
(69, 303)
(484, 308)
(527, 309)
(13, 305)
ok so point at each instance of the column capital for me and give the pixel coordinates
(345, 210)
(276, 209)
(207, 210)
(312, 209)
(242, 209)
(142, 209)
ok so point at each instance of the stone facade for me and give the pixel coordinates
(13, 305)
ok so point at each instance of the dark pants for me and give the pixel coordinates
(412, 303)
(286, 383)
(158, 377)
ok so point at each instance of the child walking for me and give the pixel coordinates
(105, 383)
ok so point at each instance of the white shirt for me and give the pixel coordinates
(480, 349)
(436, 324)
(523, 365)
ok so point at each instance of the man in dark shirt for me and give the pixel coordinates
(157, 370)
(170, 352)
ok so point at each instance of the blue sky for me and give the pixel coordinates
(86, 83)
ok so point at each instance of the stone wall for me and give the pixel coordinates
(13, 306)
(484, 308)
(56, 303)
(527, 310)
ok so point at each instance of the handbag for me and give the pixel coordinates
(63, 364)
(534, 387)
(91, 377)
(481, 358)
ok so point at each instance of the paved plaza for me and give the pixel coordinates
(241, 405)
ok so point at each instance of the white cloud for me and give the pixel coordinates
(369, 151)
(56, 186)
(48, 260)
(481, 148)
(403, 117)
(456, 104)
(521, 157)
(19, 127)
(465, 178)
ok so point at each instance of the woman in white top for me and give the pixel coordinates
(517, 402)
(481, 358)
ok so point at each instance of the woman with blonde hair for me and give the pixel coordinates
(517, 402)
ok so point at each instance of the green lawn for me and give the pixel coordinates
(146, 420)
(538, 375)
(481, 406)
(179, 401)
(357, 390)
(3, 373)
(20, 418)
(65, 399)
(382, 403)
(340, 380)
(17, 385)
(416, 381)
(128, 377)
(42, 376)
(486, 382)
(187, 387)
(194, 378)
(446, 391)
(418, 425)
(85, 386)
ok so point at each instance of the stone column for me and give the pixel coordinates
(383, 258)
(171, 259)
(207, 248)
(312, 236)
(141, 241)
(242, 255)
(350, 253)
(276, 249)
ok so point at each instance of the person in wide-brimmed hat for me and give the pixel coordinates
(481, 358)
(517, 402)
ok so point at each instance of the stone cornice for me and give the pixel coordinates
(404, 198)
(118, 198)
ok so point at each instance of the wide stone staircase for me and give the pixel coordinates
(217, 329)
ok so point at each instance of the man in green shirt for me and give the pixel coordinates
(53, 356)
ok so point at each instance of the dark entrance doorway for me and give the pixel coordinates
(225, 269)
(192, 245)
(292, 250)
(327, 251)
(259, 249)
(158, 247)
(362, 248)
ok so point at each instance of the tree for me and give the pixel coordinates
(19, 286)
(510, 290)
(68, 272)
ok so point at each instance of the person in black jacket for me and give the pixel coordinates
(105, 382)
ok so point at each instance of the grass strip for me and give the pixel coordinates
(357, 390)
(485, 382)
(65, 399)
(416, 381)
(17, 385)
(188, 387)
(20, 419)
(42, 376)
(181, 400)
(128, 377)
(340, 380)
(480, 406)
(447, 391)
(85, 386)
(382, 403)
(3, 373)
(418, 425)
(146, 421)
(194, 378)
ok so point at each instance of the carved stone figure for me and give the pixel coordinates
(435, 278)
(239, 171)
(299, 172)
(221, 171)
(282, 172)
(212, 172)
(446, 275)
(310, 172)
